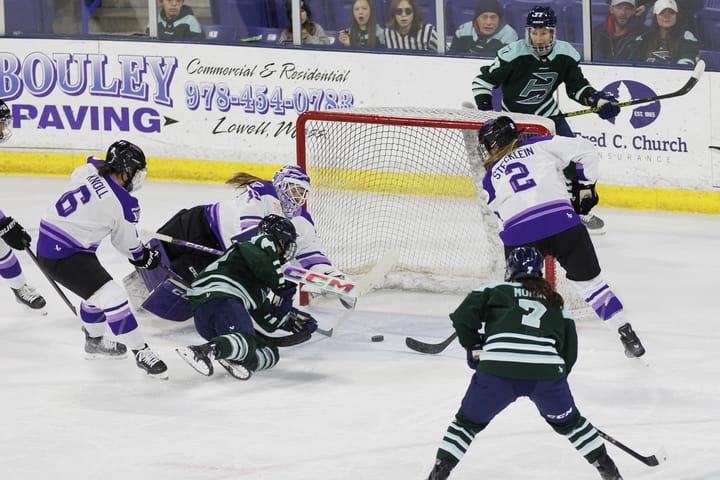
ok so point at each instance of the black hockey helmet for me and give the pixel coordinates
(497, 133)
(541, 17)
(283, 232)
(524, 262)
(127, 159)
(5, 118)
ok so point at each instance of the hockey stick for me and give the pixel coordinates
(432, 348)
(714, 147)
(290, 272)
(52, 282)
(370, 281)
(694, 77)
(651, 461)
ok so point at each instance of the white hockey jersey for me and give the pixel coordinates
(236, 220)
(527, 189)
(90, 209)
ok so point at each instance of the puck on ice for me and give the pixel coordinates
(377, 338)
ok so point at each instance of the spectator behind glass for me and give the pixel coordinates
(406, 29)
(666, 41)
(312, 32)
(485, 33)
(364, 30)
(177, 21)
(611, 38)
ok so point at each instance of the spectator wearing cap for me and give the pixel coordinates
(611, 38)
(312, 32)
(666, 41)
(485, 33)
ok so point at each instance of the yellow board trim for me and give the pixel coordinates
(211, 171)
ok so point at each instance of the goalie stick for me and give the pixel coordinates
(651, 461)
(694, 77)
(432, 348)
(370, 281)
(290, 272)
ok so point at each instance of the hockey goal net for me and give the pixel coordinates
(400, 180)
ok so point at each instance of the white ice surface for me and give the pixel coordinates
(343, 408)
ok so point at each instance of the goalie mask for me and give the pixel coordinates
(495, 134)
(541, 18)
(524, 262)
(128, 161)
(283, 232)
(5, 120)
(292, 185)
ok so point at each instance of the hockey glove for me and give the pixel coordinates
(297, 321)
(282, 302)
(484, 102)
(472, 355)
(607, 103)
(149, 260)
(14, 234)
(584, 198)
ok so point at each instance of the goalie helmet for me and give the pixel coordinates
(5, 118)
(283, 232)
(128, 160)
(292, 185)
(524, 262)
(541, 17)
(496, 133)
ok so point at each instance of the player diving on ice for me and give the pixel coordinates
(525, 183)
(220, 225)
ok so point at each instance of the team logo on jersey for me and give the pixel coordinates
(640, 116)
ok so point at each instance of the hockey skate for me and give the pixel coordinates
(441, 470)
(148, 361)
(30, 298)
(236, 369)
(631, 342)
(199, 357)
(607, 468)
(100, 347)
(594, 224)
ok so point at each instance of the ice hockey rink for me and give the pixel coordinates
(345, 408)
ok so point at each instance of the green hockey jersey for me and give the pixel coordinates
(246, 271)
(529, 81)
(524, 336)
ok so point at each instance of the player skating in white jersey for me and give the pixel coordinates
(96, 204)
(14, 236)
(525, 182)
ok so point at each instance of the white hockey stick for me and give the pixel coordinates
(370, 281)
(291, 273)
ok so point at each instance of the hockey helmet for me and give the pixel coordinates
(496, 133)
(524, 262)
(292, 185)
(283, 232)
(128, 160)
(5, 118)
(541, 17)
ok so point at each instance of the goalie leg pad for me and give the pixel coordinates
(168, 301)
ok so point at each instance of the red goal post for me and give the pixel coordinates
(403, 179)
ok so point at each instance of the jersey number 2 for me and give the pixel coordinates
(518, 180)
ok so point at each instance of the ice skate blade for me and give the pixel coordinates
(99, 356)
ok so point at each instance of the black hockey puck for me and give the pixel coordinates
(377, 338)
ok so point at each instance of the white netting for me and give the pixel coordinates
(391, 179)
